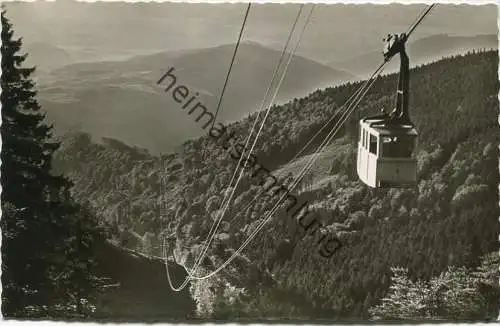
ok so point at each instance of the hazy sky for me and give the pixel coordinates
(337, 31)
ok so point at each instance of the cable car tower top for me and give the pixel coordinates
(400, 116)
(395, 45)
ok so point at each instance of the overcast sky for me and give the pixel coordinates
(91, 30)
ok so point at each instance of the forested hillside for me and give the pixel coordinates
(450, 221)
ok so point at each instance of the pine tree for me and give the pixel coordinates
(406, 299)
(452, 295)
(487, 275)
(46, 238)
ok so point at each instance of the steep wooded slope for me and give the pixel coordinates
(450, 220)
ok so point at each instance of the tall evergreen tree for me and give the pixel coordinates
(46, 237)
(456, 293)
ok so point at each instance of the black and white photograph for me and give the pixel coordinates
(250, 162)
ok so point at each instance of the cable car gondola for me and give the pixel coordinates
(387, 141)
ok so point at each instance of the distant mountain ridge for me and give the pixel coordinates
(421, 51)
(103, 98)
(334, 33)
(120, 99)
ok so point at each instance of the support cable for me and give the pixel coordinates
(232, 62)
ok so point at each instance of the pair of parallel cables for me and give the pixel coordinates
(229, 193)
(346, 110)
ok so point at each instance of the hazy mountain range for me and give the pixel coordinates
(97, 31)
(98, 62)
(106, 98)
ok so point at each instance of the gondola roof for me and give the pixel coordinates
(380, 127)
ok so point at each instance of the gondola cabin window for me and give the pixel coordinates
(398, 146)
(373, 144)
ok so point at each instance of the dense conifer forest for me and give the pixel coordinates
(48, 261)
(446, 227)
(56, 260)
(424, 253)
